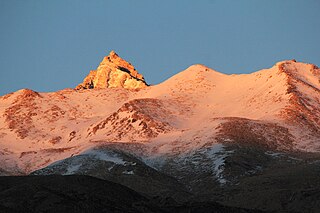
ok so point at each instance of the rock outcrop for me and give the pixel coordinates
(113, 72)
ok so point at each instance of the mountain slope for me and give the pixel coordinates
(87, 194)
(200, 135)
(193, 108)
(62, 194)
(115, 165)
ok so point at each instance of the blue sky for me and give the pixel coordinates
(50, 45)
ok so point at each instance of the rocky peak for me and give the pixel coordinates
(113, 72)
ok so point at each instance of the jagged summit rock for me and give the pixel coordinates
(113, 72)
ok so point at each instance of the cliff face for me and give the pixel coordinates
(113, 72)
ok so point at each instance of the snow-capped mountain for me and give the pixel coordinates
(200, 127)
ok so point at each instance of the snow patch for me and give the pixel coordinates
(72, 169)
(155, 162)
(128, 172)
(217, 154)
(105, 156)
(274, 154)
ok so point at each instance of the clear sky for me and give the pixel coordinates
(47, 45)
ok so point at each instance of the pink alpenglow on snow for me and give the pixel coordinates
(189, 110)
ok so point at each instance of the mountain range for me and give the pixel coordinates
(246, 141)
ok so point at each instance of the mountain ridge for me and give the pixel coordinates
(204, 132)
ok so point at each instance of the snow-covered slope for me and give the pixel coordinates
(278, 108)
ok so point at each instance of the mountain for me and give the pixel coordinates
(115, 165)
(200, 135)
(87, 194)
(113, 72)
